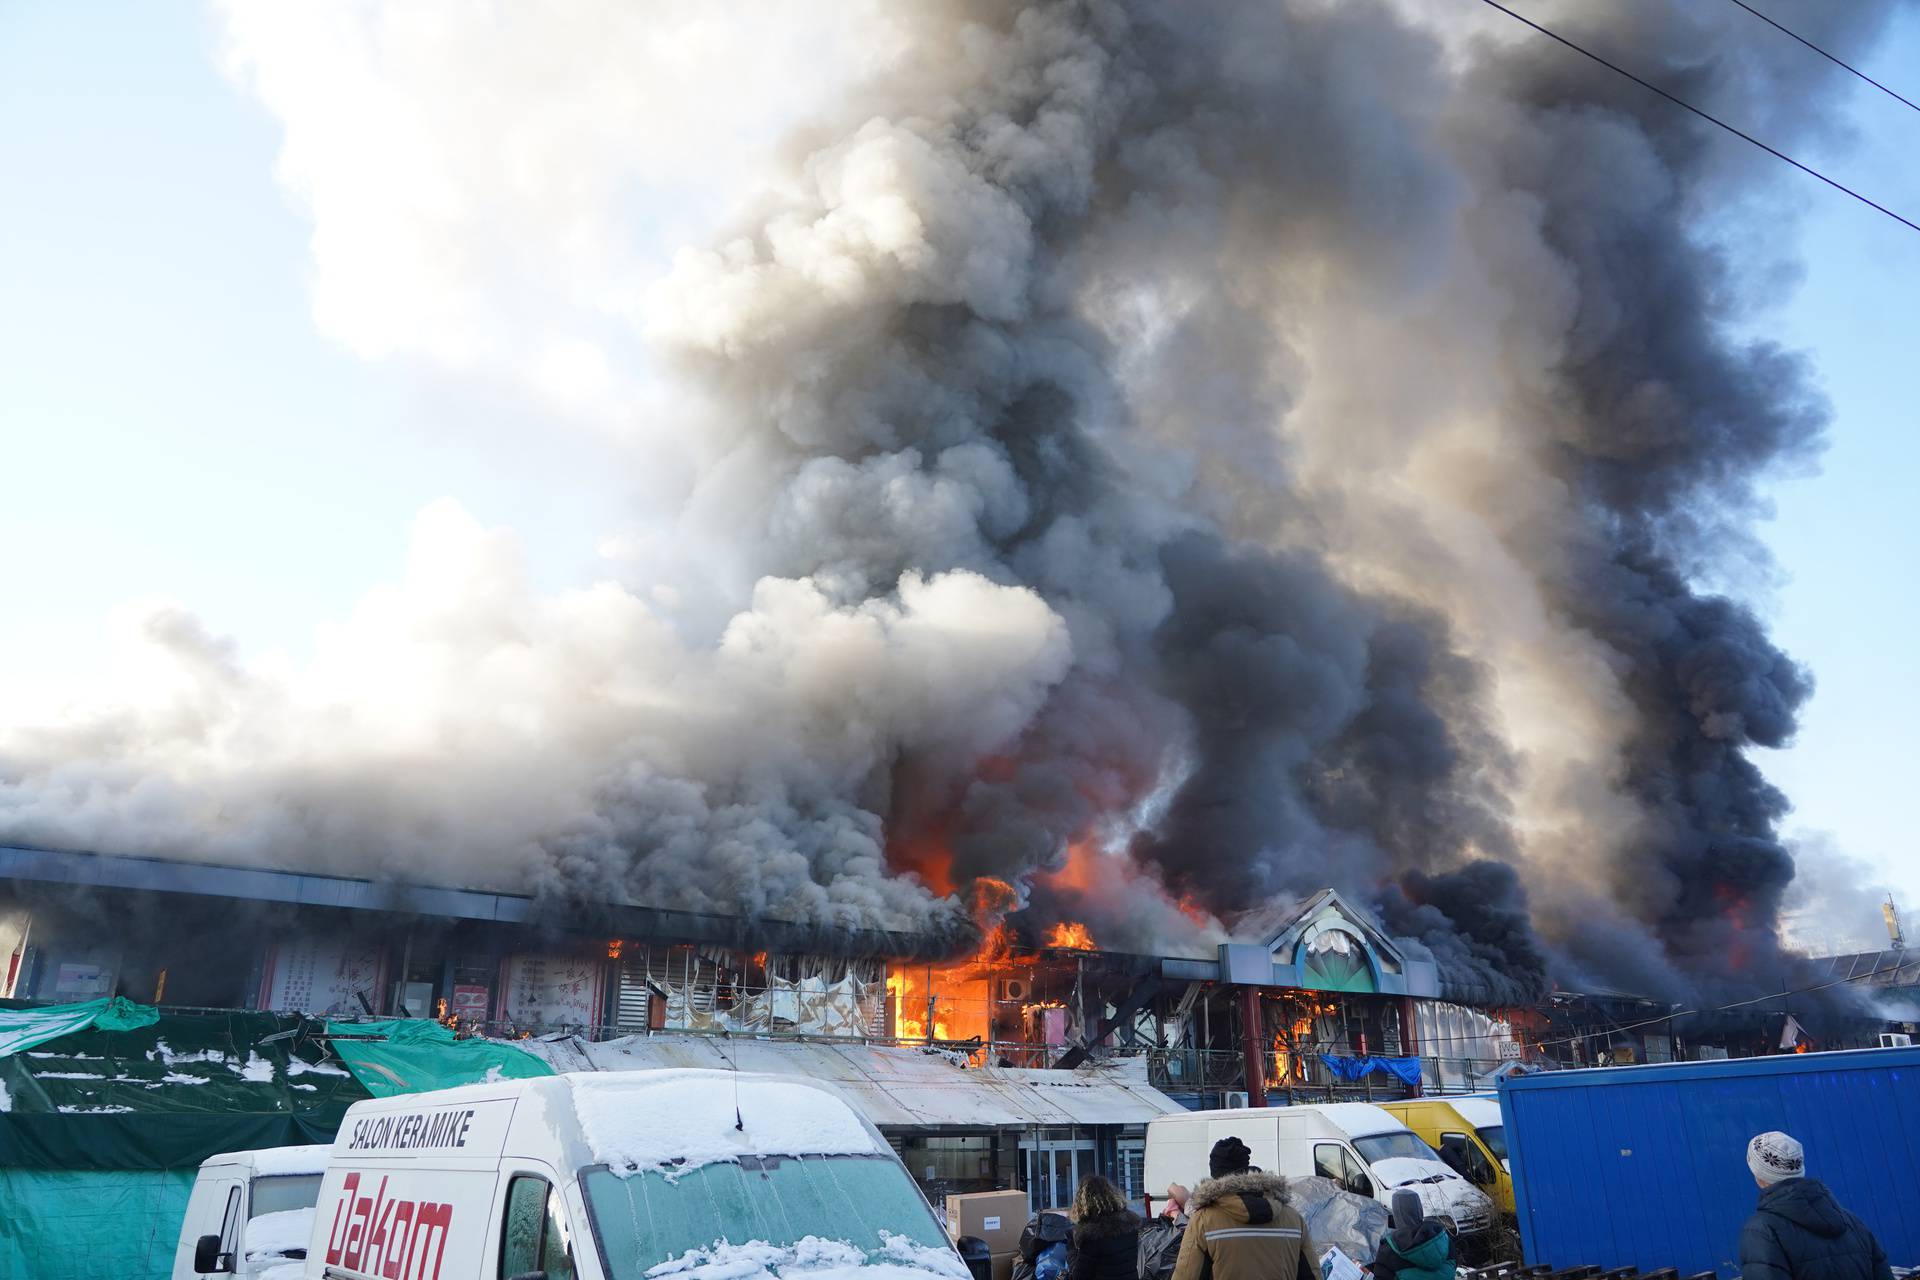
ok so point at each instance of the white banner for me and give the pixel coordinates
(539, 989)
(323, 976)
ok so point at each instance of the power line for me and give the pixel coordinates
(1823, 53)
(1715, 120)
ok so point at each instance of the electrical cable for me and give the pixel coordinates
(1711, 119)
(1823, 53)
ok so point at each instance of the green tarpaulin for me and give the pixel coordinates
(413, 1055)
(108, 1108)
(103, 1128)
(58, 1224)
(23, 1028)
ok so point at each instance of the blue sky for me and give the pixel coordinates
(174, 424)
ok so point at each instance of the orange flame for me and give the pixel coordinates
(1070, 936)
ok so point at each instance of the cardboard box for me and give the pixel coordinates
(997, 1217)
(1003, 1266)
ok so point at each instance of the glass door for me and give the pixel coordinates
(1055, 1163)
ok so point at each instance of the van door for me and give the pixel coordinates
(1333, 1160)
(535, 1238)
(212, 1210)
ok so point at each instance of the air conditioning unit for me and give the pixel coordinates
(1236, 1100)
(1014, 990)
(1895, 1040)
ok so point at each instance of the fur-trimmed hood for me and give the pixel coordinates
(1215, 1190)
(1107, 1226)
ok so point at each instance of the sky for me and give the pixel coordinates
(177, 424)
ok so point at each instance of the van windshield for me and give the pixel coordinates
(1495, 1136)
(643, 1220)
(1393, 1146)
(283, 1192)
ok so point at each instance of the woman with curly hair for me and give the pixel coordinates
(1106, 1234)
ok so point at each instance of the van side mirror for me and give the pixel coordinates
(207, 1257)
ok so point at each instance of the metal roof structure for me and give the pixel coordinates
(897, 1088)
(1889, 968)
(263, 884)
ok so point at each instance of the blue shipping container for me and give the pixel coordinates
(1647, 1166)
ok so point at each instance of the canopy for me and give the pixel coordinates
(897, 1088)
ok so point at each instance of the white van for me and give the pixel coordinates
(619, 1176)
(250, 1213)
(1356, 1144)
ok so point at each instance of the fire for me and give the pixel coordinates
(1070, 936)
(1289, 1045)
(614, 947)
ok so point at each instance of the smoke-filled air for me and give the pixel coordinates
(1115, 462)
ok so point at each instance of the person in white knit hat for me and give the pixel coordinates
(1800, 1232)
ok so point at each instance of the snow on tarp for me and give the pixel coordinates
(899, 1259)
(681, 1120)
(896, 1086)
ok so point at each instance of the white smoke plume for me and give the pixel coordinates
(1282, 445)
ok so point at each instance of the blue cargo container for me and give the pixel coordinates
(1646, 1166)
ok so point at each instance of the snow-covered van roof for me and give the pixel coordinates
(277, 1162)
(1358, 1119)
(1478, 1111)
(629, 1121)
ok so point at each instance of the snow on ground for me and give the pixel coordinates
(97, 1111)
(180, 1077)
(258, 1069)
(6, 1099)
(271, 1235)
(274, 1162)
(301, 1067)
(67, 1075)
(643, 1121)
(815, 1258)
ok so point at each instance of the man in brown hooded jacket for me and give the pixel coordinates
(1242, 1227)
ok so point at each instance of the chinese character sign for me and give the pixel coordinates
(545, 990)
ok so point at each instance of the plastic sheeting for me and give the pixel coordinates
(413, 1055)
(64, 1224)
(24, 1028)
(1355, 1223)
(1407, 1070)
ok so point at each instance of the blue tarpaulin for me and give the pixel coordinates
(1406, 1070)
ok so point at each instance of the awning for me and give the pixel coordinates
(896, 1087)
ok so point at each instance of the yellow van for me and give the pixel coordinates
(1468, 1133)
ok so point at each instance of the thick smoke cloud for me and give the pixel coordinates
(1253, 447)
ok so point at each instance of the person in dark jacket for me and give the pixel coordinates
(1043, 1231)
(1106, 1234)
(1800, 1232)
(1418, 1247)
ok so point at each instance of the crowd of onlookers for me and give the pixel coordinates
(1238, 1225)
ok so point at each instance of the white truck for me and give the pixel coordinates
(693, 1175)
(250, 1214)
(1357, 1145)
